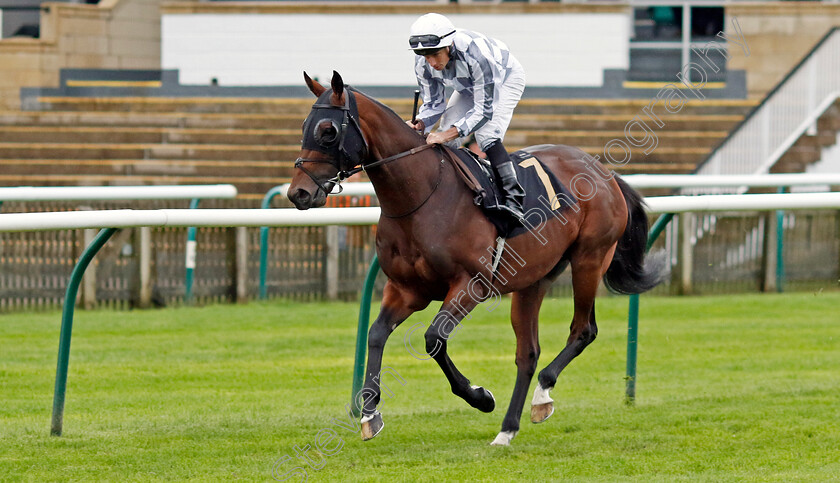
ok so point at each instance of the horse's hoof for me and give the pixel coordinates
(372, 425)
(542, 406)
(486, 403)
(541, 412)
(504, 438)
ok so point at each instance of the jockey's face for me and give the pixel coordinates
(439, 59)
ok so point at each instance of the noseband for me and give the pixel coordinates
(335, 131)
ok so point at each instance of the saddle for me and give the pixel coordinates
(543, 191)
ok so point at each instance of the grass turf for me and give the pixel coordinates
(730, 388)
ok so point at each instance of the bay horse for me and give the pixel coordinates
(432, 241)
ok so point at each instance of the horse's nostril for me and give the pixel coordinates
(301, 197)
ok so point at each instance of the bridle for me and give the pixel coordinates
(335, 131)
(346, 152)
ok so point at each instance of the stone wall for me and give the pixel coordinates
(116, 34)
(779, 35)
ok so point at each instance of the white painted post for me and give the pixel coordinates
(686, 256)
(768, 254)
(331, 262)
(241, 260)
(89, 280)
(144, 241)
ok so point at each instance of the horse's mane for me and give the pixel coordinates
(382, 106)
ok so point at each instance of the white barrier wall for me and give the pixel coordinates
(556, 49)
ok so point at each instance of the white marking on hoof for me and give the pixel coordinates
(369, 417)
(541, 396)
(503, 438)
(542, 406)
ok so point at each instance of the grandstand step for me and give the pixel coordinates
(247, 186)
(270, 137)
(403, 107)
(151, 135)
(299, 106)
(656, 168)
(800, 156)
(146, 167)
(673, 123)
(231, 152)
(612, 122)
(151, 119)
(633, 107)
(70, 151)
(601, 138)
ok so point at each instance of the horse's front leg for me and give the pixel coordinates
(397, 305)
(455, 307)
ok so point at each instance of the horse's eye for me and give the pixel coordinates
(326, 133)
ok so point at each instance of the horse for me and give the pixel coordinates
(432, 242)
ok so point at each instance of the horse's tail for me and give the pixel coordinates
(631, 270)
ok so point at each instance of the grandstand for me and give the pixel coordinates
(252, 142)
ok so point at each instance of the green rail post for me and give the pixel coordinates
(633, 318)
(361, 333)
(780, 247)
(266, 203)
(189, 262)
(67, 327)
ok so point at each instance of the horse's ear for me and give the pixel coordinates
(337, 84)
(313, 85)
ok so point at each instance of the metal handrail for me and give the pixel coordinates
(787, 112)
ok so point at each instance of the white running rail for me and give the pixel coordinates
(640, 181)
(368, 215)
(100, 193)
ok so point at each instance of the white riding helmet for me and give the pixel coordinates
(431, 31)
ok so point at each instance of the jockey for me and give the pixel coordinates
(488, 82)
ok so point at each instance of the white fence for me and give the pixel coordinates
(642, 181)
(367, 215)
(99, 193)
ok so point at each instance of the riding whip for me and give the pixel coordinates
(414, 111)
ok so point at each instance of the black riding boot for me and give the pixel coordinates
(513, 192)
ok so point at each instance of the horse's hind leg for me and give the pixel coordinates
(396, 307)
(525, 308)
(456, 306)
(587, 269)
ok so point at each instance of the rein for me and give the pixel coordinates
(347, 161)
(434, 188)
(342, 175)
(395, 157)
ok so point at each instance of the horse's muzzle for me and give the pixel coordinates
(303, 200)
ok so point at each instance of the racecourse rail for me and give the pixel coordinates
(366, 215)
(642, 181)
(94, 193)
(195, 193)
(112, 220)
